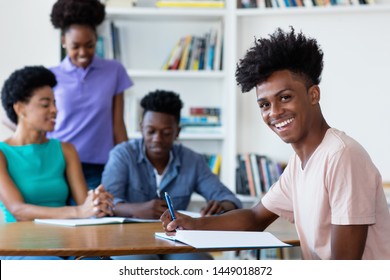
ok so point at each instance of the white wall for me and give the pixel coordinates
(27, 38)
(355, 88)
(355, 91)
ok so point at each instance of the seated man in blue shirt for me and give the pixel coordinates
(139, 171)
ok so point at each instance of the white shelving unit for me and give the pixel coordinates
(149, 34)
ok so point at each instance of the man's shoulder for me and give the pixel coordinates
(342, 146)
(129, 146)
(340, 140)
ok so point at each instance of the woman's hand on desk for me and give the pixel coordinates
(99, 203)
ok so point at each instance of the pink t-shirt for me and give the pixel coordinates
(340, 185)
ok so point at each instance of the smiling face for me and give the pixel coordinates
(39, 113)
(80, 43)
(159, 131)
(287, 106)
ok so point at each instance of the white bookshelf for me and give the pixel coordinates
(147, 37)
(149, 34)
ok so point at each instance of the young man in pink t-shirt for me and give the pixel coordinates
(330, 188)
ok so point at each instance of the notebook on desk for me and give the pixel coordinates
(93, 221)
(207, 239)
(103, 221)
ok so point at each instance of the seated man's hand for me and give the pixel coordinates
(152, 209)
(216, 207)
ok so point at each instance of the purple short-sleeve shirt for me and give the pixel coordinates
(84, 99)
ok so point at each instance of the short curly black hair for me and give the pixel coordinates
(85, 12)
(162, 101)
(20, 85)
(281, 51)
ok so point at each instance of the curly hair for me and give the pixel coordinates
(20, 85)
(85, 12)
(162, 101)
(281, 51)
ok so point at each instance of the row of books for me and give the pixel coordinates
(300, 3)
(197, 52)
(108, 43)
(214, 162)
(166, 3)
(202, 116)
(255, 174)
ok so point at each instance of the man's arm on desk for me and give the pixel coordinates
(257, 218)
(145, 210)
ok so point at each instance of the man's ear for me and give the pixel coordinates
(178, 131)
(315, 94)
(19, 109)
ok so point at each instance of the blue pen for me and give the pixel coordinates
(170, 206)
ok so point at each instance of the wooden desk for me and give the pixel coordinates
(30, 239)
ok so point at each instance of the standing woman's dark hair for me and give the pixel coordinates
(90, 89)
(84, 12)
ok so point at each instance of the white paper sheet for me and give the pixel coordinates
(225, 239)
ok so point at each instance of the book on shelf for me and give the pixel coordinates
(257, 173)
(108, 43)
(186, 52)
(244, 186)
(99, 49)
(217, 130)
(193, 52)
(190, 3)
(115, 39)
(245, 4)
(120, 3)
(205, 111)
(249, 174)
(174, 58)
(200, 121)
(202, 116)
(214, 162)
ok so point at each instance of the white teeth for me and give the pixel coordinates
(279, 125)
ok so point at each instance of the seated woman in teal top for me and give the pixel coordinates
(37, 174)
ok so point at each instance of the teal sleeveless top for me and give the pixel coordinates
(38, 171)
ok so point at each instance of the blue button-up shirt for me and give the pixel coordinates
(129, 176)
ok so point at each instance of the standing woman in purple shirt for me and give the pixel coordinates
(89, 93)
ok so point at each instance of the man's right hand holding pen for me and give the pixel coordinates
(180, 222)
(257, 218)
